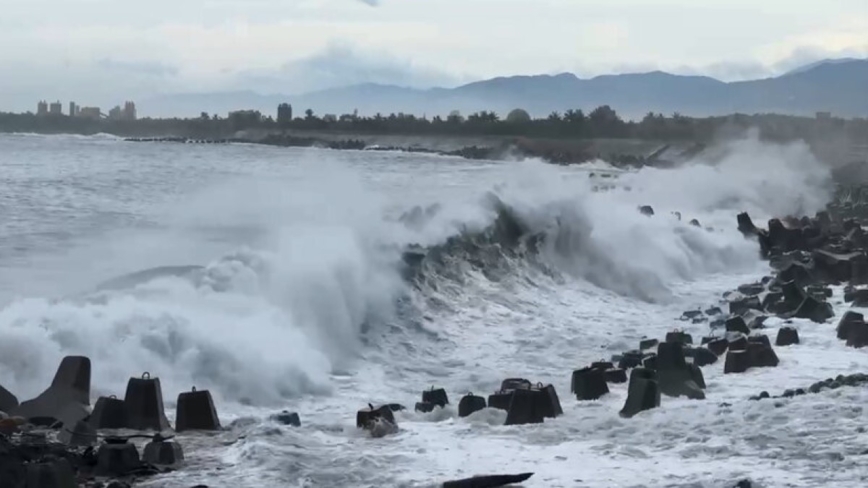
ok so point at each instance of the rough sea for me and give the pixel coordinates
(320, 281)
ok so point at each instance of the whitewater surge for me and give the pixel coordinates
(332, 279)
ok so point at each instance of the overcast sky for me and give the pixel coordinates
(100, 50)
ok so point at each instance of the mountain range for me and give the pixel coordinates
(839, 86)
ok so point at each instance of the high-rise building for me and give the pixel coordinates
(56, 108)
(284, 114)
(73, 109)
(89, 112)
(42, 108)
(129, 111)
(115, 113)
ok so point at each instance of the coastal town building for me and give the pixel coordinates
(55, 108)
(42, 108)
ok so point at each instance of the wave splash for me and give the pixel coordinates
(263, 325)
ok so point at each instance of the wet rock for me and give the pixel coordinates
(66, 400)
(643, 392)
(588, 384)
(436, 397)
(144, 404)
(694, 223)
(674, 375)
(287, 418)
(787, 336)
(196, 411)
(470, 404)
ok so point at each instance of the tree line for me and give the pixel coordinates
(601, 122)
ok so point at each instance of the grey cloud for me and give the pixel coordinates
(372, 3)
(152, 68)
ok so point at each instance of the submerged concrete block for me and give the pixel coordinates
(66, 401)
(56, 473)
(848, 320)
(425, 407)
(109, 413)
(163, 453)
(436, 397)
(787, 336)
(116, 459)
(287, 418)
(643, 392)
(82, 434)
(616, 375)
(196, 411)
(736, 362)
(528, 406)
(588, 384)
(144, 404)
(673, 374)
(366, 417)
(470, 404)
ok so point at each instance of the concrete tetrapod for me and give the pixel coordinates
(144, 404)
(643, 392)
(67, 399)
(196, 411)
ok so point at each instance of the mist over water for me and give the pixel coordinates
(303, 251)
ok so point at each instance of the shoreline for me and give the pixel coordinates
(802, 269)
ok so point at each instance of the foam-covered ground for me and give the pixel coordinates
(304, 305)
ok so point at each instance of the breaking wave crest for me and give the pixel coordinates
(274, 320)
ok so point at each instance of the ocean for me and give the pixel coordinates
(320, 281)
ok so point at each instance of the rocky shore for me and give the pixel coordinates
(59, 439)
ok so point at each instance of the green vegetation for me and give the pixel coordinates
(602, 122)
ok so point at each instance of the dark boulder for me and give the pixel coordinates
(643, 392)
(787, 336)
(588, 384)
(470, 404)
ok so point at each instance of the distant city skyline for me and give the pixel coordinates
(103, 50)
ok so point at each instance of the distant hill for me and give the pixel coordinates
(838, 86)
